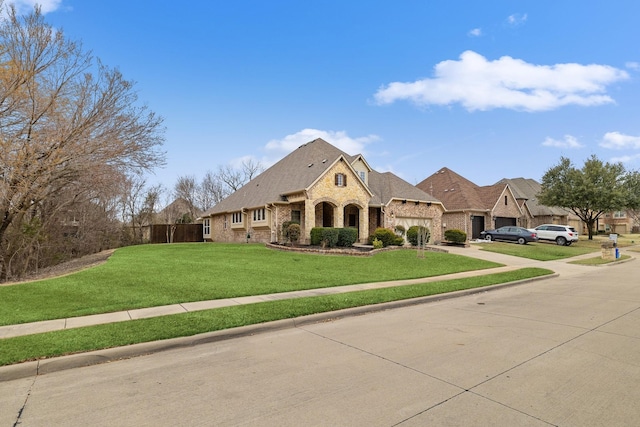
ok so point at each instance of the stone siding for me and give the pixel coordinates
(325, 190)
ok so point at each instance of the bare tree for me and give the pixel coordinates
(231, 177)
(251, 169)
(63, 116)
(170, 216)
(236, 178)
(212, 191)
(138, 206)
(188, 190)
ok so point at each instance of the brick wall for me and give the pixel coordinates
(397, 212)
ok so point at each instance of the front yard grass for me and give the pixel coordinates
(543, 251)
(154, 275)
(31, 347)
(599, 260)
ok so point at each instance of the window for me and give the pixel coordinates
(619, 214)
(224, 223)
(362, 175)
(206, 227)
(259, 215)
(236, 218)
(295, 216)
(341, 180)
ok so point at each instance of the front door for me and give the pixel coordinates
(477, 226)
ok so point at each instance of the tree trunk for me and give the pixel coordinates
(590, 223)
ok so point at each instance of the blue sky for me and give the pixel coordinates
(489, 89)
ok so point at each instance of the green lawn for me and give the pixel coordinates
(30, 347)
(153, 275)
(599, 260)
(542, 251)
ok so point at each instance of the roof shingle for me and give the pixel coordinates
(301, 168)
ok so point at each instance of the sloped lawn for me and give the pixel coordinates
(542, 251)
(153, 275)
(30, 347)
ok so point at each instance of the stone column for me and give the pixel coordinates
(309, 221)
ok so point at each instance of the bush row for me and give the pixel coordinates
(330, 237)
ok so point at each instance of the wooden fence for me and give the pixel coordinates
(162, 233)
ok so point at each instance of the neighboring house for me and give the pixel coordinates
(180, 211)
(472, 208)
(527, 190)
(619, 222)
(318, 185)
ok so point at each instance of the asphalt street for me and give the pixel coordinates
(558, 352)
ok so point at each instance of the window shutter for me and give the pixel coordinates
(336, 179)
(344, 180)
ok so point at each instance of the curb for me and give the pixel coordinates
(62, 363)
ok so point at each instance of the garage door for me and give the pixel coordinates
(502, 221)
(407, 222)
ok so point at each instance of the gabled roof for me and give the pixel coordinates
(387, 186)
(457, 192)
(526, 188)
(301, 168)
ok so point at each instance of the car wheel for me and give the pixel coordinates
(488, 237)
(522, 240)
(561, 241)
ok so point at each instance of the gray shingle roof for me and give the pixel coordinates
(301, 168)
(526, 188)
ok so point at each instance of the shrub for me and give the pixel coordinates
(456, 236)
(293, 232)
(347, 236)
(285, 230)
(400, 230)
(398, 241)
(324, 236)
(386, 236)
(415, 231)
(377, 244)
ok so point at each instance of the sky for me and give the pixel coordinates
(492, 89)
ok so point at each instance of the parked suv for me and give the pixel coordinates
(563, 235)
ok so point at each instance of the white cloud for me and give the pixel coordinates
(338, 138)
(569, 141)
(625, 159)
(476, 32)
(479, 84)
(26, 6)
(619, 141)
(632, 65)
(516, 19)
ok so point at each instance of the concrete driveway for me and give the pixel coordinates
(561, 352)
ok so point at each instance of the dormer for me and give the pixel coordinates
(362, 168)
